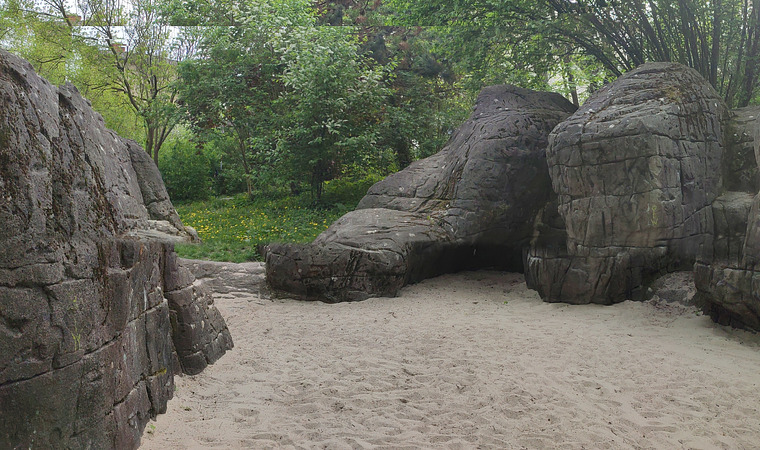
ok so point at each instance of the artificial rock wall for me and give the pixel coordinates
(635, 171)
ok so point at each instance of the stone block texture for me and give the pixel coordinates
(635, 170)
(96, 315)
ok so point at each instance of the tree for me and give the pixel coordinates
(144, 67)
(334, 110)
(231, 89)
(718, 38)
(287, 91)
(698, 33)
(425, 100)
(121, 53)
(46, 42)
(61, 53)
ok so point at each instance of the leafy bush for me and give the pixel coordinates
(228, 176)
(187, 171)
(348, 191)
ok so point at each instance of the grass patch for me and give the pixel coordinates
(232, 229)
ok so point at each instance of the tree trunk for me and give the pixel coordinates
(715, 52)
(150, 132)
(736, 74)
(246, 166)
(318, 175)
(403, 153)
(753, 54)
(571, 79)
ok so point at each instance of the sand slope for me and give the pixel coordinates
(466, 361)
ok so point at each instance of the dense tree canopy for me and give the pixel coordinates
(718, 38)
(311, 102)
(122, 55)
(287, 94)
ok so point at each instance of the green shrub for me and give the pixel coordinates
(228, 174)
(348, 191)
(187, 171)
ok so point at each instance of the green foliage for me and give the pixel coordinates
(425, 102)
(47, 43)
(117, 114)
(231, 91)
(489, 42)
(232, 229)
(280, 104)
(187, 171)
(121, 58)
(289, 103)
(347, 191)
(336, 101)
(546, 43)
(229, 176)
(274, 101)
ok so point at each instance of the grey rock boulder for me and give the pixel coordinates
(96, 316)
(727, 277)
(164, 219)
(674, 287)
(740, 168)
(728, 280)
(367, 252)
(226, 278)
(470, 205)
(731, 212)
(635, 170)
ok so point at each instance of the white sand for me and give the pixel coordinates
(471, 360)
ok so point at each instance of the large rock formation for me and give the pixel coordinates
(653, 175)
(635, 170)
(470, 205)
(726, 280)
(728, 277)
(96, 315)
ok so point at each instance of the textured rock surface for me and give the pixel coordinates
(674, 287)
(728, 280)
(95, 317)
(740, 169)
(636, 170)
(163, 220)
(730, 213)
(200, 334)
(224, 278)
(367, 252)
(470, 205)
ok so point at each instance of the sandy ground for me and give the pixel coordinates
(472, 360)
